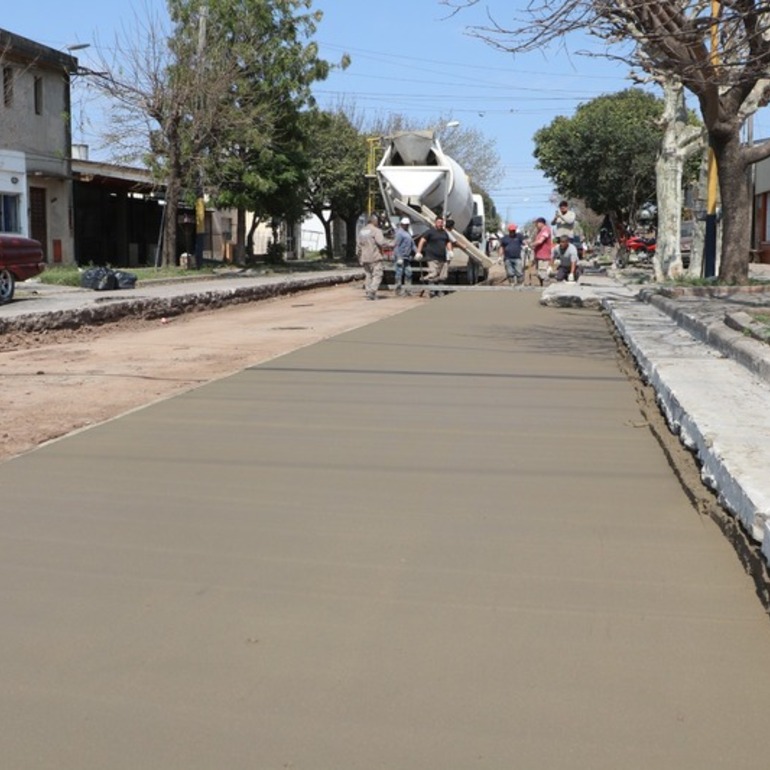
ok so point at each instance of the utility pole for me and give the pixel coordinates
(710, 240)
(375, 148)
(200, 203)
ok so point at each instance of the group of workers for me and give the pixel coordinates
(553, 252)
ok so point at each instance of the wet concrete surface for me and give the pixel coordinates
(441, 540)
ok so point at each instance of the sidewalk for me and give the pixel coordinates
(712, 379)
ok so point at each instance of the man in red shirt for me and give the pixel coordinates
(542, 249)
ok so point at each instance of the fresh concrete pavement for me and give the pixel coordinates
(441, 540)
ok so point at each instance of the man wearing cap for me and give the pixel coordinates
(511, 253)
(402, 256)
(438, 249)
(369, 250)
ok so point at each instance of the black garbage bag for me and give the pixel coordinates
(98, 279)
(125, 280)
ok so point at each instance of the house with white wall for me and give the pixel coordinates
(35, 144)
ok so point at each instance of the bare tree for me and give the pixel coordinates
(165, 105)
(719, 50)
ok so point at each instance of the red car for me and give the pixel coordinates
(20, 258)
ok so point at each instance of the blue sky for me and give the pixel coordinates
(408, 56)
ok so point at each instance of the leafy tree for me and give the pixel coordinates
(155, 81)
(606, 153)
(493, 220)
(336, 185)
(257, 161)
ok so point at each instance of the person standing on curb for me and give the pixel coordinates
(542, 248)
(437, 244)
(564, 221)
(370, 252)
(510, 252)
(402, 256)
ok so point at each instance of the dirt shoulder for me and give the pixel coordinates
(60, 381)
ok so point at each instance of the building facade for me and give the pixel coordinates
(35, 145)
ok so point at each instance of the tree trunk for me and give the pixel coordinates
(695, 269)
(173, 188)
(668, 170)
(327, 224)
(173, 191)
(350, 244)
(736, 210)
(255, 220)
(240, 235)
(678, 143)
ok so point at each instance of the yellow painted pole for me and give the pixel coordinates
(710, 242)
(713, 179)
(371, 173)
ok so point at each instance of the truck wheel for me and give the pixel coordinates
(7, 286)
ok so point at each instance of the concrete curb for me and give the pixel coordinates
(113, 308)
(730, 465)
(717, 333)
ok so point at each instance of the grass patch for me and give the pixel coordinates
(69, 275)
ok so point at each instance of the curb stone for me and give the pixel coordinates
(109, 309)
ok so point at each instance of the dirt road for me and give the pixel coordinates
(62, 381)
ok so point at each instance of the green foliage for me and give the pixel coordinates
(336, 178)
(606, 153)
(493, 220)
(69, 275)
(267, 45)
(275, 253)
(255, 158)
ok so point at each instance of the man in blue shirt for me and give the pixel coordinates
(511, 251)
(402, 256)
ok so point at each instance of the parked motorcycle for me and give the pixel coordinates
(640, 248)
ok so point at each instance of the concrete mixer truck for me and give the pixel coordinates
(419, 181)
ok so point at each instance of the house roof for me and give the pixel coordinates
(14, 47)
(114, 176)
